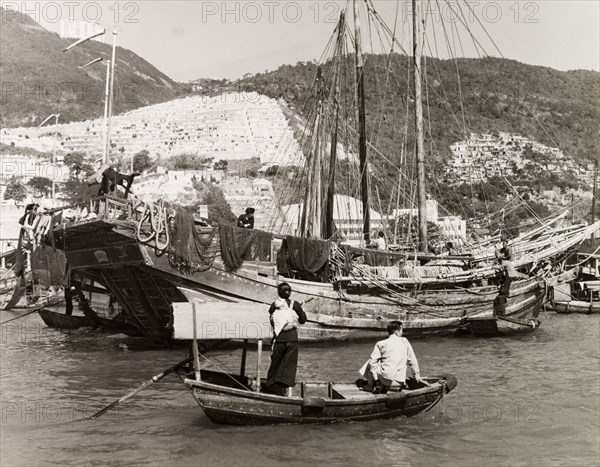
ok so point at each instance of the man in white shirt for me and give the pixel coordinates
(386, 368)
(380, 242)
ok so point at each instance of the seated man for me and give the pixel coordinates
(386, 368)
(380, 242)
(246, 220)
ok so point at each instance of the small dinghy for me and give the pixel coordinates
(237, 400)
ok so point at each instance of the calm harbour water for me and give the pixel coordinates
(528, 400)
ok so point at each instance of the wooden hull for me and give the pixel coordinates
(520, 318)
(503, 326)
(146, 284)
(576, 306)
(347, 403)
(57, 320)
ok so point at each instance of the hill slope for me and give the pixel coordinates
(39, 79)
(553, 107)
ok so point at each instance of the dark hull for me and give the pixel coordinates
(145, 284)
(519, 319)
(576, 306)
(57, 320)
(226, 405)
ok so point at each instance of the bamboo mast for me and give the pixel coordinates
(421, 197)
(362, 127)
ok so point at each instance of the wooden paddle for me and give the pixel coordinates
(144, 385)
(152, 380)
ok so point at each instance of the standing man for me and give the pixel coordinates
(285, 315)
(386, 368)
(246, 220)
(109, 178)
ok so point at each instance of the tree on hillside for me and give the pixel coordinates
(142, 161)
(76, 161)
(219, 209)
(221, 165)
(188, 162)
(75, 191)
(15, 190)
(41, 184)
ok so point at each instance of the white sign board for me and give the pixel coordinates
(221, 320)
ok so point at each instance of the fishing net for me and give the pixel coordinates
(20, 256)
(284, 264)
(307, 255)
(191, 251)
(239, 245)
(49, 266)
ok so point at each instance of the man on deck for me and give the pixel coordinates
(246, 220)
(109, 179)
(504, 255)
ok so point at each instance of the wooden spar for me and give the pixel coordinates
(421, 198)
(258, 359)
(111, 92)
(329, 227)
(106, 125)
(243, 363)
(594, 194)
(312, 195)
(362, 127)
(195, 344)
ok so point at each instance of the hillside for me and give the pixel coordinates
(555, 108)
(39, 79)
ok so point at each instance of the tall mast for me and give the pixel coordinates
(362, 128)
(421, 198)
(594, 194)
(311, 219)
(106, 99)
(329, 226)
(113, 64)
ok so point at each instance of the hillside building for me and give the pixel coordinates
(80, 30)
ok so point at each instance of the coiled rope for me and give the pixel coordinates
(158, 217)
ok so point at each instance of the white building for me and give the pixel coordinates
(347, 216)
(80, 30)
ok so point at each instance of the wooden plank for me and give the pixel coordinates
(222, 320)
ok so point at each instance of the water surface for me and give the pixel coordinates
(528, 400)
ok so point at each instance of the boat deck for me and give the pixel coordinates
(351, 391)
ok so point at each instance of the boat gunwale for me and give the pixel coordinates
(435, 388)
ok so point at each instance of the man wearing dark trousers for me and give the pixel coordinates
(285, 315)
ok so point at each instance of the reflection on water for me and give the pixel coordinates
(529, 400)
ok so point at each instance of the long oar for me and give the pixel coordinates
(153, 380)
(37, 308)
(142, 386)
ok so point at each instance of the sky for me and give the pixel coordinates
(191, 39)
